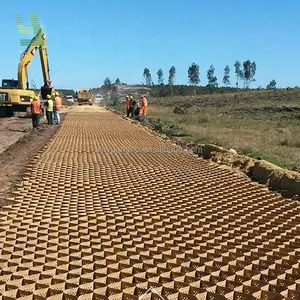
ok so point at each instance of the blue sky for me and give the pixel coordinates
(94, 39)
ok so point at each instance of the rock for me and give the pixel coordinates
(290, 181)
(233, 151)
(244, 163)
(275, 179)
(191, 145)
(206, 150)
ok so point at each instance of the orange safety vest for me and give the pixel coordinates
(127, 103)
(35, 107)
(57, 105)
(144, 102)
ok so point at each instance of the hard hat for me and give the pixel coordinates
(56, 93)
(36, 98)
(127, 96)
(48, 97)
(131, 97)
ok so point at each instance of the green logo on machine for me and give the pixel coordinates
(28, 30)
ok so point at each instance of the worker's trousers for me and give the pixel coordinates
(133, 111)
(49, 115)
(35, 120)
(57, 116)
(143, 110)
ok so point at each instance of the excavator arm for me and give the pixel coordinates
(38, 43)
(45, 64)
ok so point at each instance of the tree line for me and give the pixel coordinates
(244, 72)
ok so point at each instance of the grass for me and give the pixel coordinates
(251, 127)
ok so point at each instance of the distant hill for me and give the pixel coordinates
(134, 90)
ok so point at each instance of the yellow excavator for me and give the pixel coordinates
(15, 95)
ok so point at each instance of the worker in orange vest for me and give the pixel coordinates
(127, 104)
(143, 107)
(57, 108)
(35, 112)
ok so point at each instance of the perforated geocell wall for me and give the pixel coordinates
(108, 211)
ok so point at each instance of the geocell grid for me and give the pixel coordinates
(92, 224)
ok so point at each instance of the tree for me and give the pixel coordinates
(226, 76)
(212, 79)
(272, 84)
(107, 82)
(107, 85)
(118, 81)
(147, 76)
(160, 75)
(113, 97)
(193, 74)
(249, 72)
(238, 72)
(172, 72)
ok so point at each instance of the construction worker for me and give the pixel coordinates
(35, 112)
(57, 108)
(49, 109)
(133, 106)
(143, 107)
(127, 104)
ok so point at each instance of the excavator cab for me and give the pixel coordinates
(10, 84)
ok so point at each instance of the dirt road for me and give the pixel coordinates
(108, 211)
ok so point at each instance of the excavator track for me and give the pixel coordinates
(108, 210)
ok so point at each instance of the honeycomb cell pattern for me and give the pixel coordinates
(97, 218)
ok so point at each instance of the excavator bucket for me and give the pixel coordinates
(45, 90)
